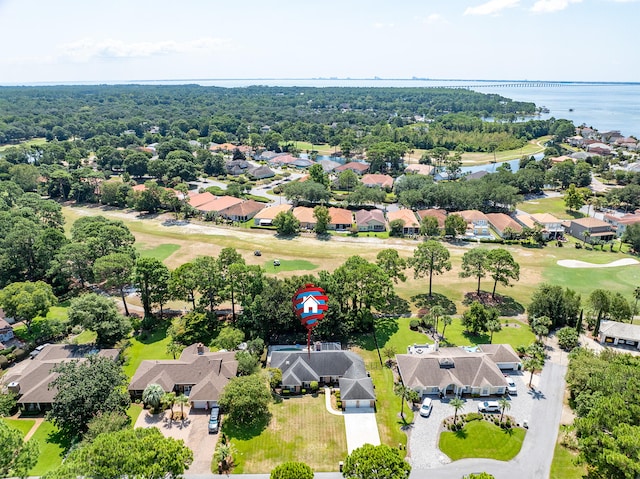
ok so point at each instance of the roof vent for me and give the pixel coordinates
(446, 363)
(14, 387)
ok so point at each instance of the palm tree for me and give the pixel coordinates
(446, 321)
(636, 295)
(389, 353)
(168, 400)
(505, 405)
(532, 364)
(183, 401)
(436, 312)
(174, 348)
(152, 396)
(405, 394)
(585, 234)
(456, 404)
(223, 455)
(493, 326)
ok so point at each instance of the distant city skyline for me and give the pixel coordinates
(143, 40)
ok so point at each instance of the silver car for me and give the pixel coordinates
(489, 406)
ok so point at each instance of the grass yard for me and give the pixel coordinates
(289, 265)
(515, 334)
(133, 412)
(301, 429)
(482, 439)
(85, 337)
(531, 148)
(22, 425)
(554, 206)
(51, 449)
(32, 142)
(154, 346)
(563, 466)
(160, 252)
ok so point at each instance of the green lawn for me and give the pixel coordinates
(22, 425)
(554, 206)
(32, 142)
(300, 429)
(133, 412)
(531, 148)
(563, 466)
(154, 346)
(160, 252)
(515, 334)
(482, 439)
(85, 337)
(51, 449)
(289, 265)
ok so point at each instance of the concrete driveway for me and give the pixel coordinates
(423, 440)
(361, 427)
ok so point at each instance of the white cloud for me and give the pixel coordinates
(434, 18)
(491, 7)
(87, 49)
(550, 6)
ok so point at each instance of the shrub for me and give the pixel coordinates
(314, 386)
(473, 416)
(4, 362)
(414, 324)
(20, 354)
(292, 470)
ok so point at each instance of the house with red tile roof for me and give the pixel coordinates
(437, 213)
(382, 181)
(504, 224)
(242, 211)
(304, 215)
(477, 222)
(355, 166)
(408, 217)
(341, 219)
(207, 202)
(620, 223)
(551, 226)
(266, 216)
(370, 220)
(418, 169)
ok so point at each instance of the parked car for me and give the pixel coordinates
(511, 387)
(489, 406)
(426, 407)
(214, 420)
(257, 253)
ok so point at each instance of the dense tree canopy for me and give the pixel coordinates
(380, 462)
(17, 457)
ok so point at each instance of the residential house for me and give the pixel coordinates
(562, 159)
(302, 163)
(355, 166)
(282, 160)
(261, 172)
(32, 383)
(458, 371)
(411, 226)
(614, 333)
(266, 216)
(341, 219)
(266, 155)
(477, 223)
(6, 331)
(328, 165)
(600, 149)
(575, 140)
(620, 223)
(205, 203)
(504, 225)
(526, 221)
(382, 181)
(237, 167)
(437, 213)
(551, 226)
(370, 220)
(418, 169)
(591, 230)
(199, 374)
(476, 175)
(304, 215)
(242, 211)
(347, 369)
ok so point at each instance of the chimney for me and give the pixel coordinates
(14, 387)
(200, 348)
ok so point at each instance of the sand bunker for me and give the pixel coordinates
(572, 263)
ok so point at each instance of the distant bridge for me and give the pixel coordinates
(528, 84)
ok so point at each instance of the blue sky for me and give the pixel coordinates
(116, 40)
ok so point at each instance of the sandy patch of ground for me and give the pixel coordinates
(572, 263)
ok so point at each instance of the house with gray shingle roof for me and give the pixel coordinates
(199, 374)
(346, 368)
(457, 371)
(613, 333)
(31, 383)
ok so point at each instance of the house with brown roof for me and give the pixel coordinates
(355, 166)
(370, 220)
(341, 219)
(31, 383)
(266, 216)
(261, 172)
(418, 169)
(206, 202)
(280, 160)
(620, 223)
(304, 215)
(477, 223)
(458, 371)
(504, 225)
(382, 181)
(199, 374)
(551, 226)
(242, 211)
(591, 230)
(437, 213)
(411, 226)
